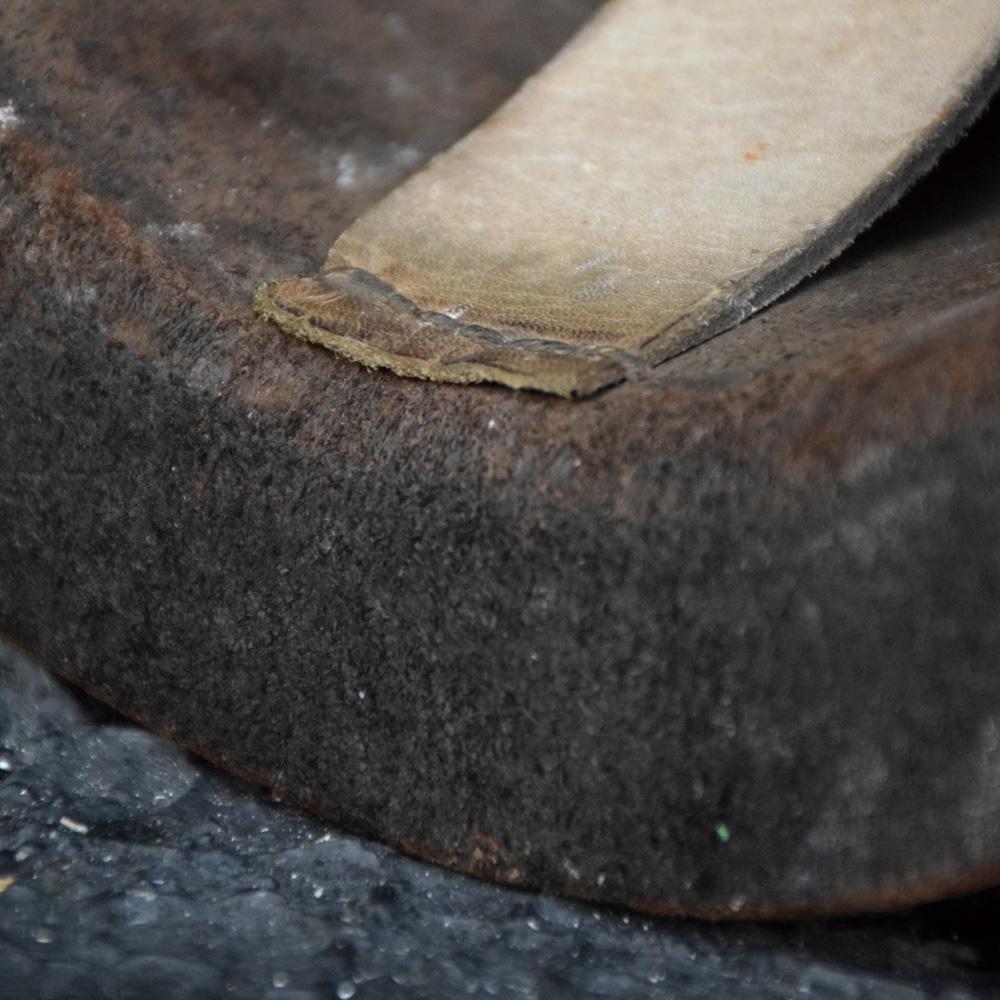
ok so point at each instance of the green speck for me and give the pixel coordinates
(722, 832)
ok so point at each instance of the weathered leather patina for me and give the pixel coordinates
(722, 641)
(675, 168)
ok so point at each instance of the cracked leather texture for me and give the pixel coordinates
(676, 167)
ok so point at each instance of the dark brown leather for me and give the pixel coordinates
(721, 641)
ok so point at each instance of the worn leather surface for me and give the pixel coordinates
(677, 166)
(754, 588)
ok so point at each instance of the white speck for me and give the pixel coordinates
(456, 312)
(597, 261)
(73, 826)
(279, 980)
(177, 231)
(6, 764)
(266, 123)
(361, 694)
(8, 118)
(601, 878)
(42, 935)
(23, 854)
(491, 424)
(533, 923)
(408, 156)
(396, 85)
(346, 990)
(85, 293)
(601, 287)
(185, 230)
(318, 892)
(347, 171)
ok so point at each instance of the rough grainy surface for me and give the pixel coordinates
(723, 640)
(131, 871)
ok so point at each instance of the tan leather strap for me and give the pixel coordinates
(677, 166)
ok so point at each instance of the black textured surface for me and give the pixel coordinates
(131, 870)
